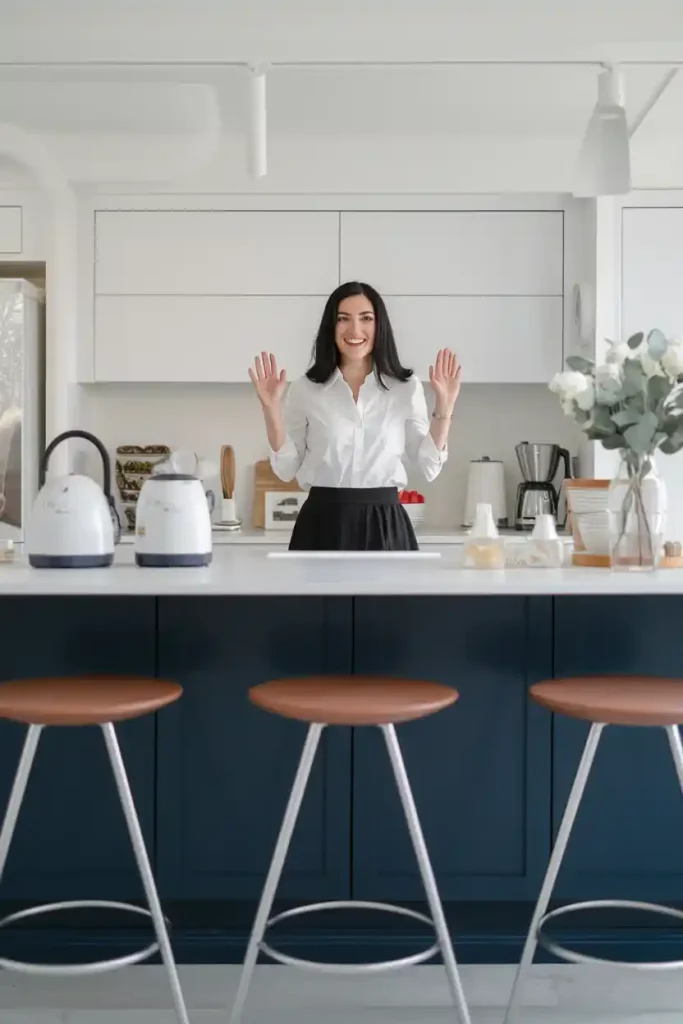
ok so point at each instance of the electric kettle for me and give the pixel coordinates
(172, 521)
(73, 523)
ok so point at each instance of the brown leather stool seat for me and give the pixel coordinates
(614, 700)
(352, 700)
(84, 700)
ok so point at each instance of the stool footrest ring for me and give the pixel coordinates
(75, 970)
(366, 968)
(583, 958)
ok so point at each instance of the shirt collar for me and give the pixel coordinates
(337, 375)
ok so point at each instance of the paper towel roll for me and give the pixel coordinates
(486, 484)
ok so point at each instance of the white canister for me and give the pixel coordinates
(486, 485)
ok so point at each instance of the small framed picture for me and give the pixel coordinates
(282, 508)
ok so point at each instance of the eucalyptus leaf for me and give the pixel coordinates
(580, 364)
(581, 416)
(658, 389)
(656, 344)
(672, 444)
(635, 340)
(634, 379)
(640, 435)
(613, 442)
(626, 417)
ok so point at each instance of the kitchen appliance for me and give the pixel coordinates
(22, 402)
(172, 522)
(537, 494)
(486, 486)
(73, 523)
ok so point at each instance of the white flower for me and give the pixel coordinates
(651, 367)
(608, 383)
(569, 383)
(586, 399)
(619, 352)
(672, 360)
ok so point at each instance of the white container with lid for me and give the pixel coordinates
(484, 548)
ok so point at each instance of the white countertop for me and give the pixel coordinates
(247, 569)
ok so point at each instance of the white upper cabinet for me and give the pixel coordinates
(652, 270)
(10, 229)
(455, 253)
(203, 339)
(215, 252)
(507, 339)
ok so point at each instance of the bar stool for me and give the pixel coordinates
(600, 700)
(355, 701)
(92, 700)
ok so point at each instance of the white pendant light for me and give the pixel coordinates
(604, 166)
(258, 135)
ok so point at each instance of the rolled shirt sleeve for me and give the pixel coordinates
(287, 461)
(420, 446)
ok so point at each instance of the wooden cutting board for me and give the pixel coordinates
(265, 480)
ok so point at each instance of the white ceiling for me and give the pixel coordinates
(165, 46)
(475, 100)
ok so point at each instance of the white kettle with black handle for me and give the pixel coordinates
(74, 523)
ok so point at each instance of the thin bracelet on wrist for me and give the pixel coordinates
(437, 416)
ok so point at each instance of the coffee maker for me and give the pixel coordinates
(537, 494)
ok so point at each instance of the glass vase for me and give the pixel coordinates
(637, 514)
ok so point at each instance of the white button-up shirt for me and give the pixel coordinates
(333, 441)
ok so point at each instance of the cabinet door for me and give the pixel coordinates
(628, 837)
(216, 252)
(71, 839)
(207, 339)
(514, 340)
(651, 296)
(10, 229)
(652, 270)
(479, 770)
(469, 252)
(225, 767)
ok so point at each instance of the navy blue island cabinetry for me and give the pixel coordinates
(211, 774)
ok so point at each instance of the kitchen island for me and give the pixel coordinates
(211, 774)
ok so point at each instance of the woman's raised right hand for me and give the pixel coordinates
(269, 384)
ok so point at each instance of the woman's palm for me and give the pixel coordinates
(269, 384)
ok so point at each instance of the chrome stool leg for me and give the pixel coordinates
(144, 867)
(275, 869)
(557, 856)
(16, 797)
(426, 871)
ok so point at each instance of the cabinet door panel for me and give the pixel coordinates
(71, 839)
(469, 252)
(628, 837)
(479, 770)
(210, 339)
(216, 252)
(498, 339)
(225, 767)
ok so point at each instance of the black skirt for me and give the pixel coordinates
(353, 519)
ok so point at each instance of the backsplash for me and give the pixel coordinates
(490, 419)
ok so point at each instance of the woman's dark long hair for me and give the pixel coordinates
(326, 355)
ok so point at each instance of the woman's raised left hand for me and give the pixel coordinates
(444, 377)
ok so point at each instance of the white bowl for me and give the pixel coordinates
(593, 528)
(586, 499)
(416, 513)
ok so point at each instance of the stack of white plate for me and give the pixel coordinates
(416, 513)
(588, 504)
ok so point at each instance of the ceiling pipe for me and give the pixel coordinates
(258, 126)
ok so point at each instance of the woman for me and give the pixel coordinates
(350, 423)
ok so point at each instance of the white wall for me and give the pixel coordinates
(490, 420)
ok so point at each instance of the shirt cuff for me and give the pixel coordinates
(285, 457)
(431, 452)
